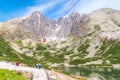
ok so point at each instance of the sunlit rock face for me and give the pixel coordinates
(38, 25)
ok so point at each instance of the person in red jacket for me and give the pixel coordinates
(18, 63)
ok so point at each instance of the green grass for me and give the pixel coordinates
(9, 54)
(77, 61)
(114, 51)
(52, 57)
(40, 47)
(19, 43)
(112, 54)
(10, 75)
(82, 48)
(109, 50)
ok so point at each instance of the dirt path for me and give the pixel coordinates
(38, 74)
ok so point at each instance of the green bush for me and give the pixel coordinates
(97, 27)
(40, 47)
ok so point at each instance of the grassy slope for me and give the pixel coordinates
(9, 54)
(112, 54)
(109, 50)
(10, 75)
(43, 50)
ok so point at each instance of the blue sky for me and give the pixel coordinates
(52, 9)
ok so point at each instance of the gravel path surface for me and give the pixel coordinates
(38, 74)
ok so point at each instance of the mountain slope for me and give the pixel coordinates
(9, 54)
(91, 39)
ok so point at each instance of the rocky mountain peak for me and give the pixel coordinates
(36, 13)
(37, 25)
(75, 14)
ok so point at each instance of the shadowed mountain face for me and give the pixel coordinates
(68, 24)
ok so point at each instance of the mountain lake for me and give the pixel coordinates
(98, 73)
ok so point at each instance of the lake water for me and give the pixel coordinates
(99, 73)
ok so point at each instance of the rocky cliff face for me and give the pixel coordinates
(68, 24)
(75, 25)
(37, 25)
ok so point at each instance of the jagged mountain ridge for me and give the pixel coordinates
(38, 25)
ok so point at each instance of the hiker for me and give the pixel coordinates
(17, 63)
(35, 65)
(39, 66)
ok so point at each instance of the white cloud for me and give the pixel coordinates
(64, 4)
(82, 6)
(64, 7)
(88, 6)
(42, 8)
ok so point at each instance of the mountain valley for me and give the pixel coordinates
(79, 39)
